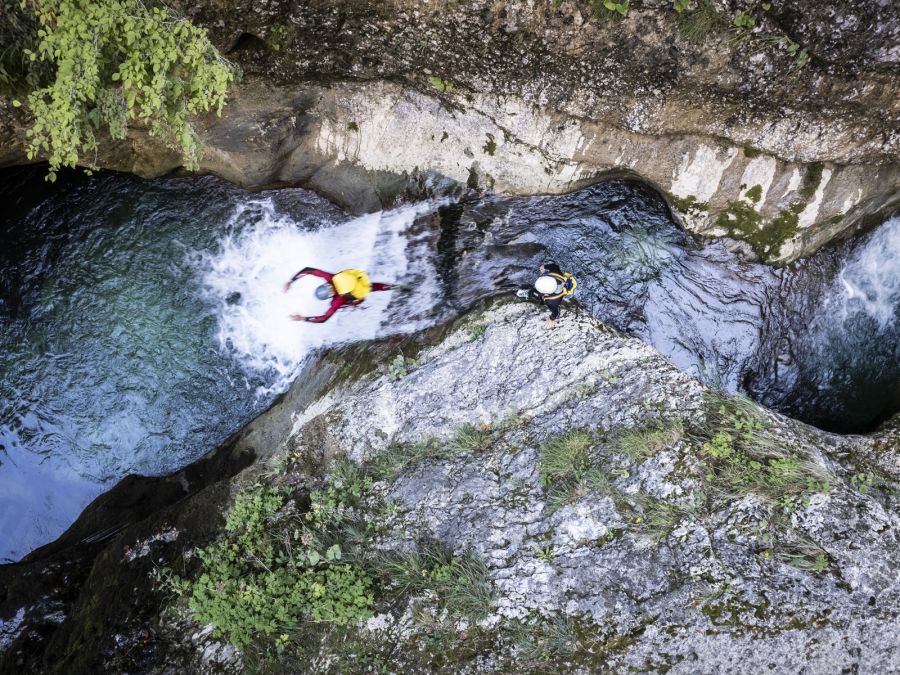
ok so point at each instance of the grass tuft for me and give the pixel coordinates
(746, 454)
(566, 458)
(642, 443)
(396, 458)
(698, 24)
(460, 582)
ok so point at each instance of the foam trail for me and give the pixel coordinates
(244, 279)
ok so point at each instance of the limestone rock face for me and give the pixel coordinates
(356, 99)
(704, 591)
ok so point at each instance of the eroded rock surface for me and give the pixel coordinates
(702, 592)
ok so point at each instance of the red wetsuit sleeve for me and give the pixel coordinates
(376, 286)
(314, 272)
(336, 303)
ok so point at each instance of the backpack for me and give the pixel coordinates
(352, 282)
(568, 284)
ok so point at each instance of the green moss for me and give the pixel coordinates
(742, 221)
(353, 126)
(472, 180)
(750, 152)
(491, 146)
(754, 194)
(444, 136)
(688, 204)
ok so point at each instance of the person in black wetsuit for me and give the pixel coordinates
(551, 289)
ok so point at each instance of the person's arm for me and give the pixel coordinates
(376, 286)
(336, 303)
(322, 274)
(314, 272)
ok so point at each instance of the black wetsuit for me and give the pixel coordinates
(542, 299)
(552, 305)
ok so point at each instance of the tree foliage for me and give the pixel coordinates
(115, 61)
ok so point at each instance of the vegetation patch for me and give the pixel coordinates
(477, 329)
(566, 458)
(275, 570)
(811, 180)
(750, 152)
(461, 582)
(490, 147)
(742, 221)
(643, 442)
(688, 205)
(754, 194)
(605, 8)
(401, 366)
(285, 579)
(441, 85)
(398, 457)
(696, 24)
(745, 455)
(113, 61)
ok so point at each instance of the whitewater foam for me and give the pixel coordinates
(870, 277)
(244, 278)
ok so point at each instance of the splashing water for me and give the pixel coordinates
(244, 280)
(870, 278)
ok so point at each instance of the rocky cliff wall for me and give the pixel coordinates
(359, 99)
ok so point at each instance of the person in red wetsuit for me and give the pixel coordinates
(347, 288)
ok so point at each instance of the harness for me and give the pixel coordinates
(565, 286)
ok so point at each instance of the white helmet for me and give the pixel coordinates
(545, 285)
(324, 291)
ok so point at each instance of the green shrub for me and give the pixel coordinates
(115, 61)
(272, 572)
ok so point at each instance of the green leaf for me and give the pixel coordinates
(333, 552)
(16, 104)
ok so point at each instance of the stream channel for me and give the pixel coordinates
(142, 322)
